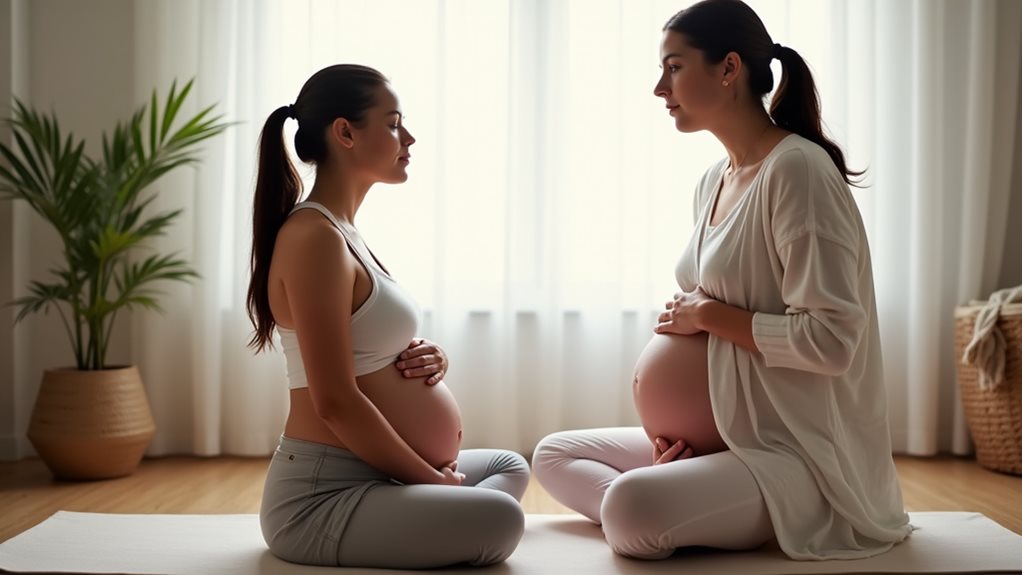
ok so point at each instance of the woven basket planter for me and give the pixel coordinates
(994, 415)
(91, 424)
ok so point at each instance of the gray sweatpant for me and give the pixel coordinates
(324, 506)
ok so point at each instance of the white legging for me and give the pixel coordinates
(649, 511)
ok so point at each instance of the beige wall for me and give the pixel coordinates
(75, 58)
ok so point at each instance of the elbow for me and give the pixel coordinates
(326, 409)
(834, 363)
(839, 346)
(808, 344)
(837, 362)
(338, 417)
(837, 357)
(330, 407)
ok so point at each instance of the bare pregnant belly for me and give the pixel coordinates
(426, 417)
(672, 393)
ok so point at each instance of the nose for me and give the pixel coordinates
(660, 90)
(408, 140)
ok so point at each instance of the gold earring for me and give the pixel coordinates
(725, 83)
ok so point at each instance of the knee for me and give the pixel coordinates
(630, 517)
(500, 531)
(516, 469)
(627, 506)
(551, 452)
(296, 545)
(507, 471)
(514, 465)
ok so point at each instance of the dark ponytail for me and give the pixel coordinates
(717, 27)
(278, 188)
(341, 91)
(796, 108)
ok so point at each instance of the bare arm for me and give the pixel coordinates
(318, 273)
(727, 322)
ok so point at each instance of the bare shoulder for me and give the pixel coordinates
(317, 276)
(308, 238)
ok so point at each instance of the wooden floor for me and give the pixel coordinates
(28, 494)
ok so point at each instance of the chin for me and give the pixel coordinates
(398, 178)
(685, 127)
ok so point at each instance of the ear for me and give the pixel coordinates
(342, 133)
(732, 67)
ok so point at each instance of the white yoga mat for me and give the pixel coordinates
(70, 542)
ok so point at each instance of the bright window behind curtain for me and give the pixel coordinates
(545, 169)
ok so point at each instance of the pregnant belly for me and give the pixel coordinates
(426, 417)
(672, 394)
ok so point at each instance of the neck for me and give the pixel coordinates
(742, 133)
(338, 191)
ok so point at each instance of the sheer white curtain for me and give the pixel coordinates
(550, 195)
(929, 104)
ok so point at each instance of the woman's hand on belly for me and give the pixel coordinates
(423, 358)
(680, 315)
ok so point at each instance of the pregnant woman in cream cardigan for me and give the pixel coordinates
(761, 393)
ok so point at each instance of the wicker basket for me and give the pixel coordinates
(994, 415)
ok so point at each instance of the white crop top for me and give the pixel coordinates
(381, 328)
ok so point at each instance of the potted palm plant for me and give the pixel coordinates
(92, 420)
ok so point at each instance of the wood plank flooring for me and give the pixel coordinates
(28, 494)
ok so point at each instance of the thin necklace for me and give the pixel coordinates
(735, 167)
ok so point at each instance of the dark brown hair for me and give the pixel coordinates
(340, 91)
(717, 27)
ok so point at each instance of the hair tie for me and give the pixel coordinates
(291, 111)
(777, 51)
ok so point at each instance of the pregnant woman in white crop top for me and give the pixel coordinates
(369, 470)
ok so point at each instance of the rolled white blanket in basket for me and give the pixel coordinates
(987, 348)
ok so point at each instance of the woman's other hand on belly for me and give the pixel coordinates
(672, 394)
(451, 474)
(679, 316)
(423, 358)
(665, 452)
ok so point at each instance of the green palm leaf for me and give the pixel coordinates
(101, 211)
